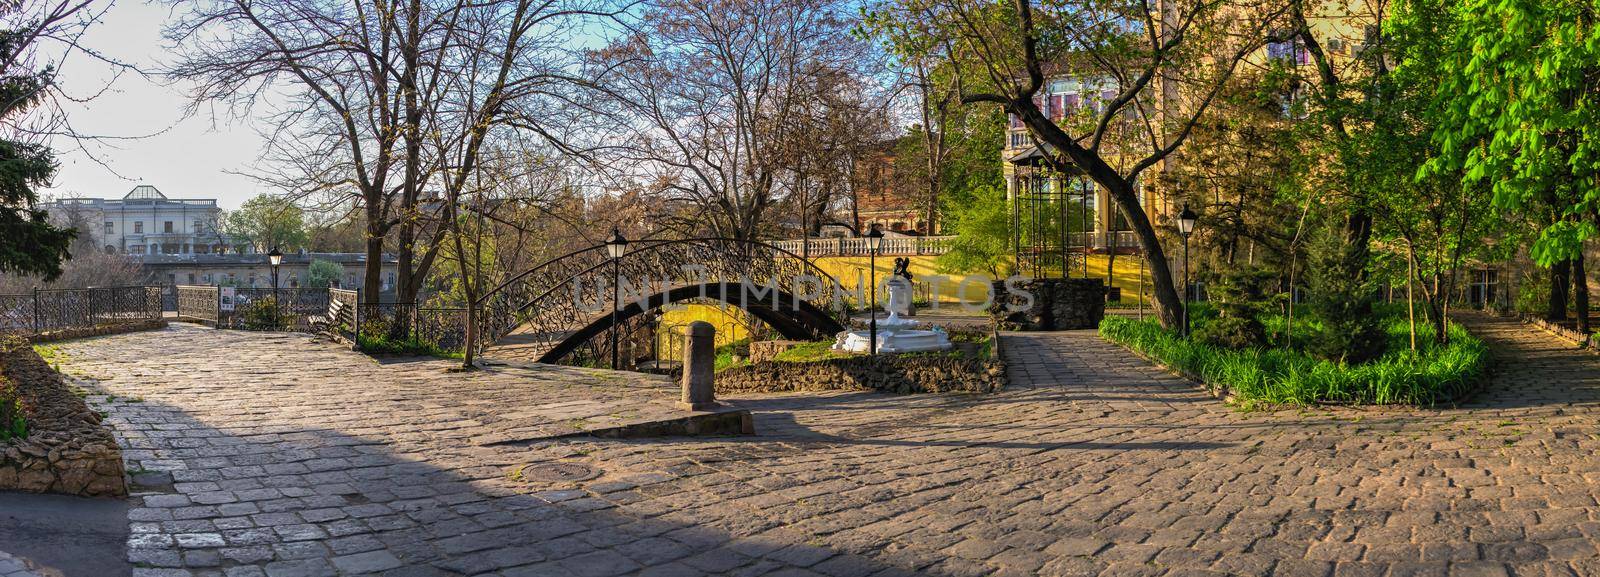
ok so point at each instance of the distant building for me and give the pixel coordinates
(884, 198)
(252, 270)
(146, 222)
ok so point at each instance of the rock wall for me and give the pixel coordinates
(1058, 304)
(910, 373)
(102, 330)
(67, 449)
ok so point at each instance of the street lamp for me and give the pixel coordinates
(1186, 220)
(874, 241)
(275, 258)
(616, 246)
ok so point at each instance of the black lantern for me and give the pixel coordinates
(616, 246)
(1186, 221)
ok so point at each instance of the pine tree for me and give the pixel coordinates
(29, 244)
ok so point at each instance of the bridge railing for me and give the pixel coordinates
(550, 304)
(938, 245)
(892, 246)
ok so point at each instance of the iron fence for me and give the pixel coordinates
(444, 328)
(290, 309)
(48, 310)
(197, 303)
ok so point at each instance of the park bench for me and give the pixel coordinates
(339, 313)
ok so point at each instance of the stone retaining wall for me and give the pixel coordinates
(67, 449)
(99, 331)
(909, 373)
(1057, 304)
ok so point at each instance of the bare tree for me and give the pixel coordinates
(382, 102)
(714, 96)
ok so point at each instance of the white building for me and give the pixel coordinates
(144, 221)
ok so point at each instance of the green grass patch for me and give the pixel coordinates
(810, 352)
(382, 345)
(1280, 375)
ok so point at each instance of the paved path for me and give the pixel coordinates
(11, 566)
(288, 459)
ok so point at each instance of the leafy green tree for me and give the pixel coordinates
(1515, 110)
(29, 243)
(269, 221)
(323, 273)
(981, 223)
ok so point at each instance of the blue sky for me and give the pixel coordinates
(185, 157)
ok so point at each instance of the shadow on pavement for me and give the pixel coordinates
(72, 535)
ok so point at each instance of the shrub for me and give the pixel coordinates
(1239, 297)
(380, 343)
(1342, 296)
(1285, 376)
(263, 315)
(12, 424)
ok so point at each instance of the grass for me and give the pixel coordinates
(1278, 376)
(383, 345)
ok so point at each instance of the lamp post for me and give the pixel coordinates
(874, 241)
(616, 246)
(1186, 220)
(275, 258)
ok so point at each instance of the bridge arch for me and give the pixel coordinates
(541, 313)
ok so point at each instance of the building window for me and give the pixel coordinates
(109, 226)
(138, 228)
(197, 227)
(191, 278)
(167, 227)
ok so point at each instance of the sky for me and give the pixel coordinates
(183, 156)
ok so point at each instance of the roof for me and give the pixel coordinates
(143, 192)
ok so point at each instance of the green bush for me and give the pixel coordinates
(263, 315)
(12, 424)
(1343, 297)
(380, 343)
(1239, 297)
(1286, 376)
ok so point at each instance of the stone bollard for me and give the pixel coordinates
(699, 367)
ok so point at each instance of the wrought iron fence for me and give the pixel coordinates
(47, 310)
(444, 328)
(288, 309)
(198, 303)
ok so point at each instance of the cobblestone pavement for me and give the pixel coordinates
(289, 459)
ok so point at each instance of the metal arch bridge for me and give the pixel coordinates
(551, 310)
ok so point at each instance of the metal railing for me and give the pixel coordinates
(892, 246)
(444, 328)
(198, 303)
(1122, 240)
(48, 310)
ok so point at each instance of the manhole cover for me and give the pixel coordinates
(553, 472)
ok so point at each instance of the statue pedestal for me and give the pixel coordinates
(895, 335)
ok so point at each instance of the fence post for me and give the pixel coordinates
(355, 324)
(37, 322)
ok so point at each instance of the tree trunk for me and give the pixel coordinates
(1557, 308)
(372, 284)
(1580, 292)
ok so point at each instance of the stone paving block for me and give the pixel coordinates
(1091, 462)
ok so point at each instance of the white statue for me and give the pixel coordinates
(895, 334)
